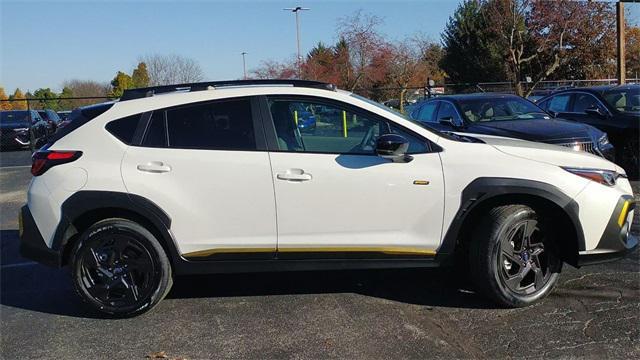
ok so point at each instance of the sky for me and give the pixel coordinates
(45, 43)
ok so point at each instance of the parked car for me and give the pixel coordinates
(52, 119)
(613, 109)
(22, 129)
(166, 182)
(64, 117)
(511, 116)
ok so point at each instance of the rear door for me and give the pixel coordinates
(336, 198)
(206, 166)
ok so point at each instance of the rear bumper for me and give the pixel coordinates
(617, 240)
(32, 244)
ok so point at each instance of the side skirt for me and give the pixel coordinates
(184, 267)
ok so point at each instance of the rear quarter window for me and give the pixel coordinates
(124, 129)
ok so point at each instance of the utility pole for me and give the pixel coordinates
(620, 30)
(296, 10)
(244, 65)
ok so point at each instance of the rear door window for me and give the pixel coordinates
(559, 103)
(222, 125)
(427, 112)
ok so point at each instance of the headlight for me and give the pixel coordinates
(604, 177)
(603, 141)
(21, 129)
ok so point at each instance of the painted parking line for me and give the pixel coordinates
(18, 265)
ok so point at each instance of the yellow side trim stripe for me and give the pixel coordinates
(623, 214)
(385, 250)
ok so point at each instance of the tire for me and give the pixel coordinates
(506, 267)
(120, 269)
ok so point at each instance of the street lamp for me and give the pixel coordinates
(244, 64)
(296, 10)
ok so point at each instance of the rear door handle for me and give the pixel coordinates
(294, 175)
(155, 167)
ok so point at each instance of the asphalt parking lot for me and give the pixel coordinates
(593, 313)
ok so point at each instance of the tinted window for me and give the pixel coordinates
(427, 112)
(156, 134)
(446, 110)
(559, 103)
(583, 102)
(124, 128)
(223, 125)
(307, 126)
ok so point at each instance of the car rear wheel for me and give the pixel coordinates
(120, 268)
(513, 258)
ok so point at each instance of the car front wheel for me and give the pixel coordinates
(120, 268)
(513, 257)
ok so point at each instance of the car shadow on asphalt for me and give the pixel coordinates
(30, 286)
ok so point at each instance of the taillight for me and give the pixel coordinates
(45, 160)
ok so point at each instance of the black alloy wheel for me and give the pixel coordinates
(120, 268)
(523, 261)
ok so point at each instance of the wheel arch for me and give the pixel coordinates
(485, 193)
(85, 208)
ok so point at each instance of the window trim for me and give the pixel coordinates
(272, 138)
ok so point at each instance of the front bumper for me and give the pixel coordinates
(617, 240)
(14, 139)
(32, 244)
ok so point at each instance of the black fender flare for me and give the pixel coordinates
(83, 202)
(484, 189)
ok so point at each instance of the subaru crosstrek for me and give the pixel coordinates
(217, 178)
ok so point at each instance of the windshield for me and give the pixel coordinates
(500, 109)
(14, 117)
(625, 100)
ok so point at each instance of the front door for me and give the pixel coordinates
(204, 166)
(335, 197)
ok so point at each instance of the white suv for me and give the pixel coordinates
(277, 175)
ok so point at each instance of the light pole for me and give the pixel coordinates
(296, 10)
(244, 65)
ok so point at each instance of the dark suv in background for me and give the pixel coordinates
(52, 118)
(614, 109)
(510, 116)
(22, 128)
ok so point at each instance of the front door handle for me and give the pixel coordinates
(294, 175)
(155, 167)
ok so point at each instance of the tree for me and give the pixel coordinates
(171, 69)
(632, 54)
(271, 69)
(18, 105)
(120, 83)
(49, 99)
(140, 76)
(4, 105)
(66, 104)
(84, 88)
(469, 52)
(536, 39)
(361, 35)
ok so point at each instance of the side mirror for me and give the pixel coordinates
(393, 147)
(595, 111)
(449, 121)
